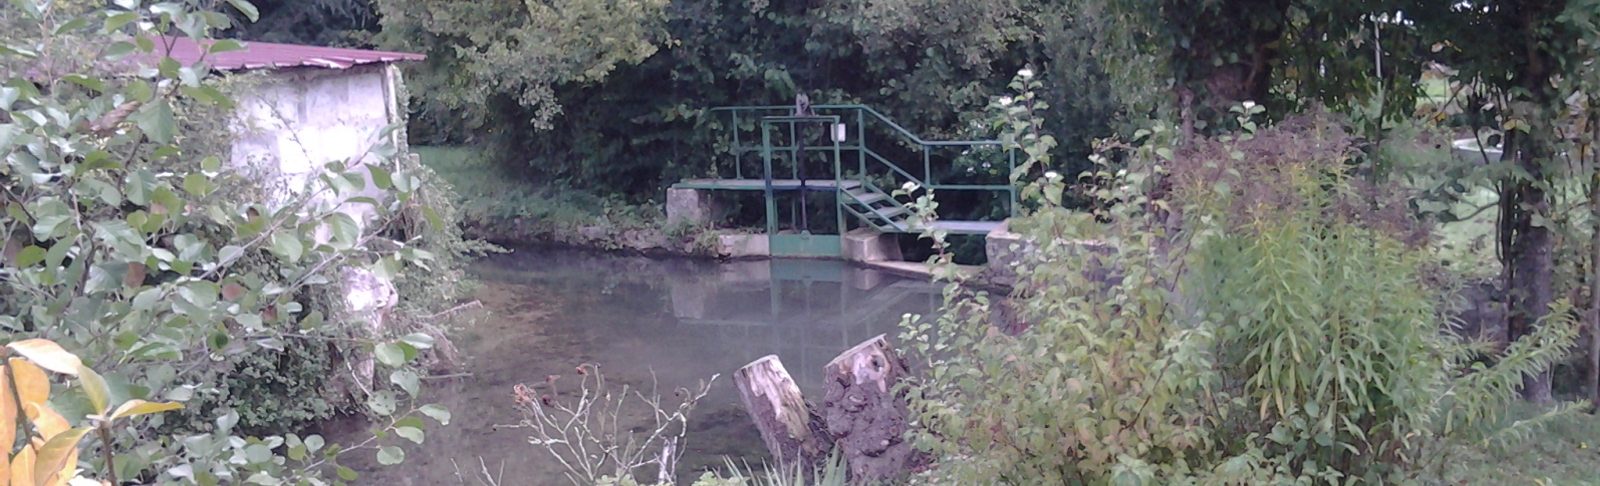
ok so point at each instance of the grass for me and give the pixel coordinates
(1565, 451)
(492, 195)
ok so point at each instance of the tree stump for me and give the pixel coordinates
(791, 430)
(866, 417)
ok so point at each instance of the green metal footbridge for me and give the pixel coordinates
(850, 160)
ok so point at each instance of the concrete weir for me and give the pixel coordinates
(865, 246)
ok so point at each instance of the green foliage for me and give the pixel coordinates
(129, 242)
(1237, 310)
(641, 121)
(270, 390)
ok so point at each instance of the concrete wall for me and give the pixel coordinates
(300, 119)
(287, 128)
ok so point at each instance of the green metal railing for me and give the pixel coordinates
(858, 120)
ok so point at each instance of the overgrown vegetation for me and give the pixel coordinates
(498, 207)
(1239, 309)
(130, 242)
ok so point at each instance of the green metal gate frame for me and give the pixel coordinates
(804, 244)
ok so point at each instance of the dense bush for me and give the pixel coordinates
(625, 116)
(1239, 310)
(129, 241)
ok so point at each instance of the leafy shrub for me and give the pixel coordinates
(1237, 310)
(130, 243)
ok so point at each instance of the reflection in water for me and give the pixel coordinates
(680, 321)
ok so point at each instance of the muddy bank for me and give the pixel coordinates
(652, 242)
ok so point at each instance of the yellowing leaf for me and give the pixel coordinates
(32, 385)
(47, 354)
(134, 408)
(22, 467)
(95, 387)
(46, 420)
(54, 455)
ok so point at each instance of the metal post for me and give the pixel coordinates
(838, 186)
(1011, 184)
(766, 163)
(861, 146)
(738, 152)
(794, 150)
(927, 168)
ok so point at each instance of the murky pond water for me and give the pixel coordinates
(680, 320)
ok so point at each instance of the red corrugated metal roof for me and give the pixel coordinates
(267, 55)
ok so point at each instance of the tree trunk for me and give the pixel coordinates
(1531, 246)
(793, 433)
(1591, 378)
(1530, 274)
(866, 413)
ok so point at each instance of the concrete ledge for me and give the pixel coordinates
(866, 245)
(743, 246)
(690, 206)
(1004, 250)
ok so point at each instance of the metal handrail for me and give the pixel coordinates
(880, 116)
(782, 112)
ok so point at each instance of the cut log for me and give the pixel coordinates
(791, 430)
(866, 416)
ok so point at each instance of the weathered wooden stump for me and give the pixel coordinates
(866, 416)
(791, 430)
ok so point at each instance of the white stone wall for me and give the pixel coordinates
(288, 127)
(297, 120)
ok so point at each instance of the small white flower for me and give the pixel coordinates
(1026, 73)
(908, 186)
(1005, 101)
(1249, 105)
(1052, 175)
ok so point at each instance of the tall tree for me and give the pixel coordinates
(1518, 50)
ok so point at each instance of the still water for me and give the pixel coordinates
(681, 321)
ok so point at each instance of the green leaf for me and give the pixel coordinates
(48, 355)
(137, 186)
(119, 20)
(391, 455)
(390, 354)
(257, 453)
(85, 81)
(94, 386)
(225, 45)
(157, 122)
(347, 474)
(196, 184)
(436, 412)
(135, 408)
(8, 96)
(287, 246)
(211, 163)
(28, 6)
(382, 403)
(230, 253)
(314, 442)
(380, 177)
(209, 95)
(345, 230)
(412, 434)
(30, 256)
(407, 380)
(246, 8)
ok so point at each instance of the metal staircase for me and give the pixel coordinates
(885, 156)
(877, 209)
